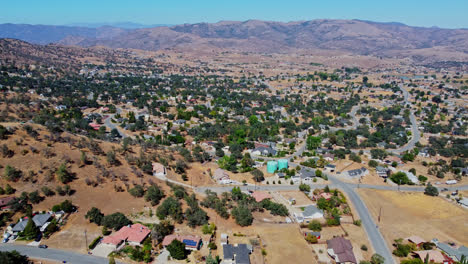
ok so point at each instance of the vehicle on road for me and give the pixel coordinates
(42, 246)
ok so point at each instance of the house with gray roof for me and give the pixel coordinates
(265, 151)
(357, 172)
(307, 174)
(382, 171)
(41, 219)
(236, 254)
(312, 212)
(20, 226)
(454, 253)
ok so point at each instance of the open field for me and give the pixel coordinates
(405, 214)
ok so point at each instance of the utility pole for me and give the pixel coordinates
(380, 213)
(86, 240)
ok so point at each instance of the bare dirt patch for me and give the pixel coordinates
(405, 214)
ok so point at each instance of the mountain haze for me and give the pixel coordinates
(353, 36)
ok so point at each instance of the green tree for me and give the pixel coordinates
(242, 215)
(111, 260)
(431, 190)
(373, 163)
(304, 187)
(11, 173)
(315, 225)
(34, 197)
(137, 191)
(154, 194)
(377, 259)
(13, 257)
(30, 231)
(94, 215)
(170, 207)
(63, 175)
(115, 221)
(400, 178)
(313, 142)
(177, 249)
(258, 175)
(161, 230)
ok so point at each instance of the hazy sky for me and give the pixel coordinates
(442, 13)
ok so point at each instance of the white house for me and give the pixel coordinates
(159, 170)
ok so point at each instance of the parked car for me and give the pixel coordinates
(5, 240)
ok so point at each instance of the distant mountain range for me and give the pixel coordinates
(127, 25)
(352, 36)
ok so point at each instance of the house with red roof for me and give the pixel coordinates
(132, 234)
(4, 203)
(260, 196)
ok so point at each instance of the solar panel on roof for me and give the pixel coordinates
(189, 243)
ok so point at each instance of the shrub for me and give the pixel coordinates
(94, 215)
(315, 225)
(431, 190)
(137, 191)
(47, 191)
(304, 187)
(242, 215)
(63, 175)
(95, 242)
(177, 249)
(311, 239)
(115, 221)
(357, 222)
(154, 194)
(364, 247)
(11, 173)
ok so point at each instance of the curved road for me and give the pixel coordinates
(415, 134)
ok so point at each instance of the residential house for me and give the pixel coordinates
(191, 242)
(132, 234)
(357, 172)
(433, 255)
(307, 174)
(159, 170)
(416, 240)
(260, 196)
(341, 250)
(382, 171)
(390, 159)
(4, 203)
(311, 212)
(221, 176)
(424, 153)
(42, 220)
(328, 157)
(236, 254)
(454, 253)
(19, 227)
(264, 151)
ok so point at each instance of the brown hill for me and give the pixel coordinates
(358, 37)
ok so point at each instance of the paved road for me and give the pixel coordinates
(353, 119)
(109, 124)
(373, 233)
(55, 254)
(415, 134)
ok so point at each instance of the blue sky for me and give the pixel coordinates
(442, 13)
